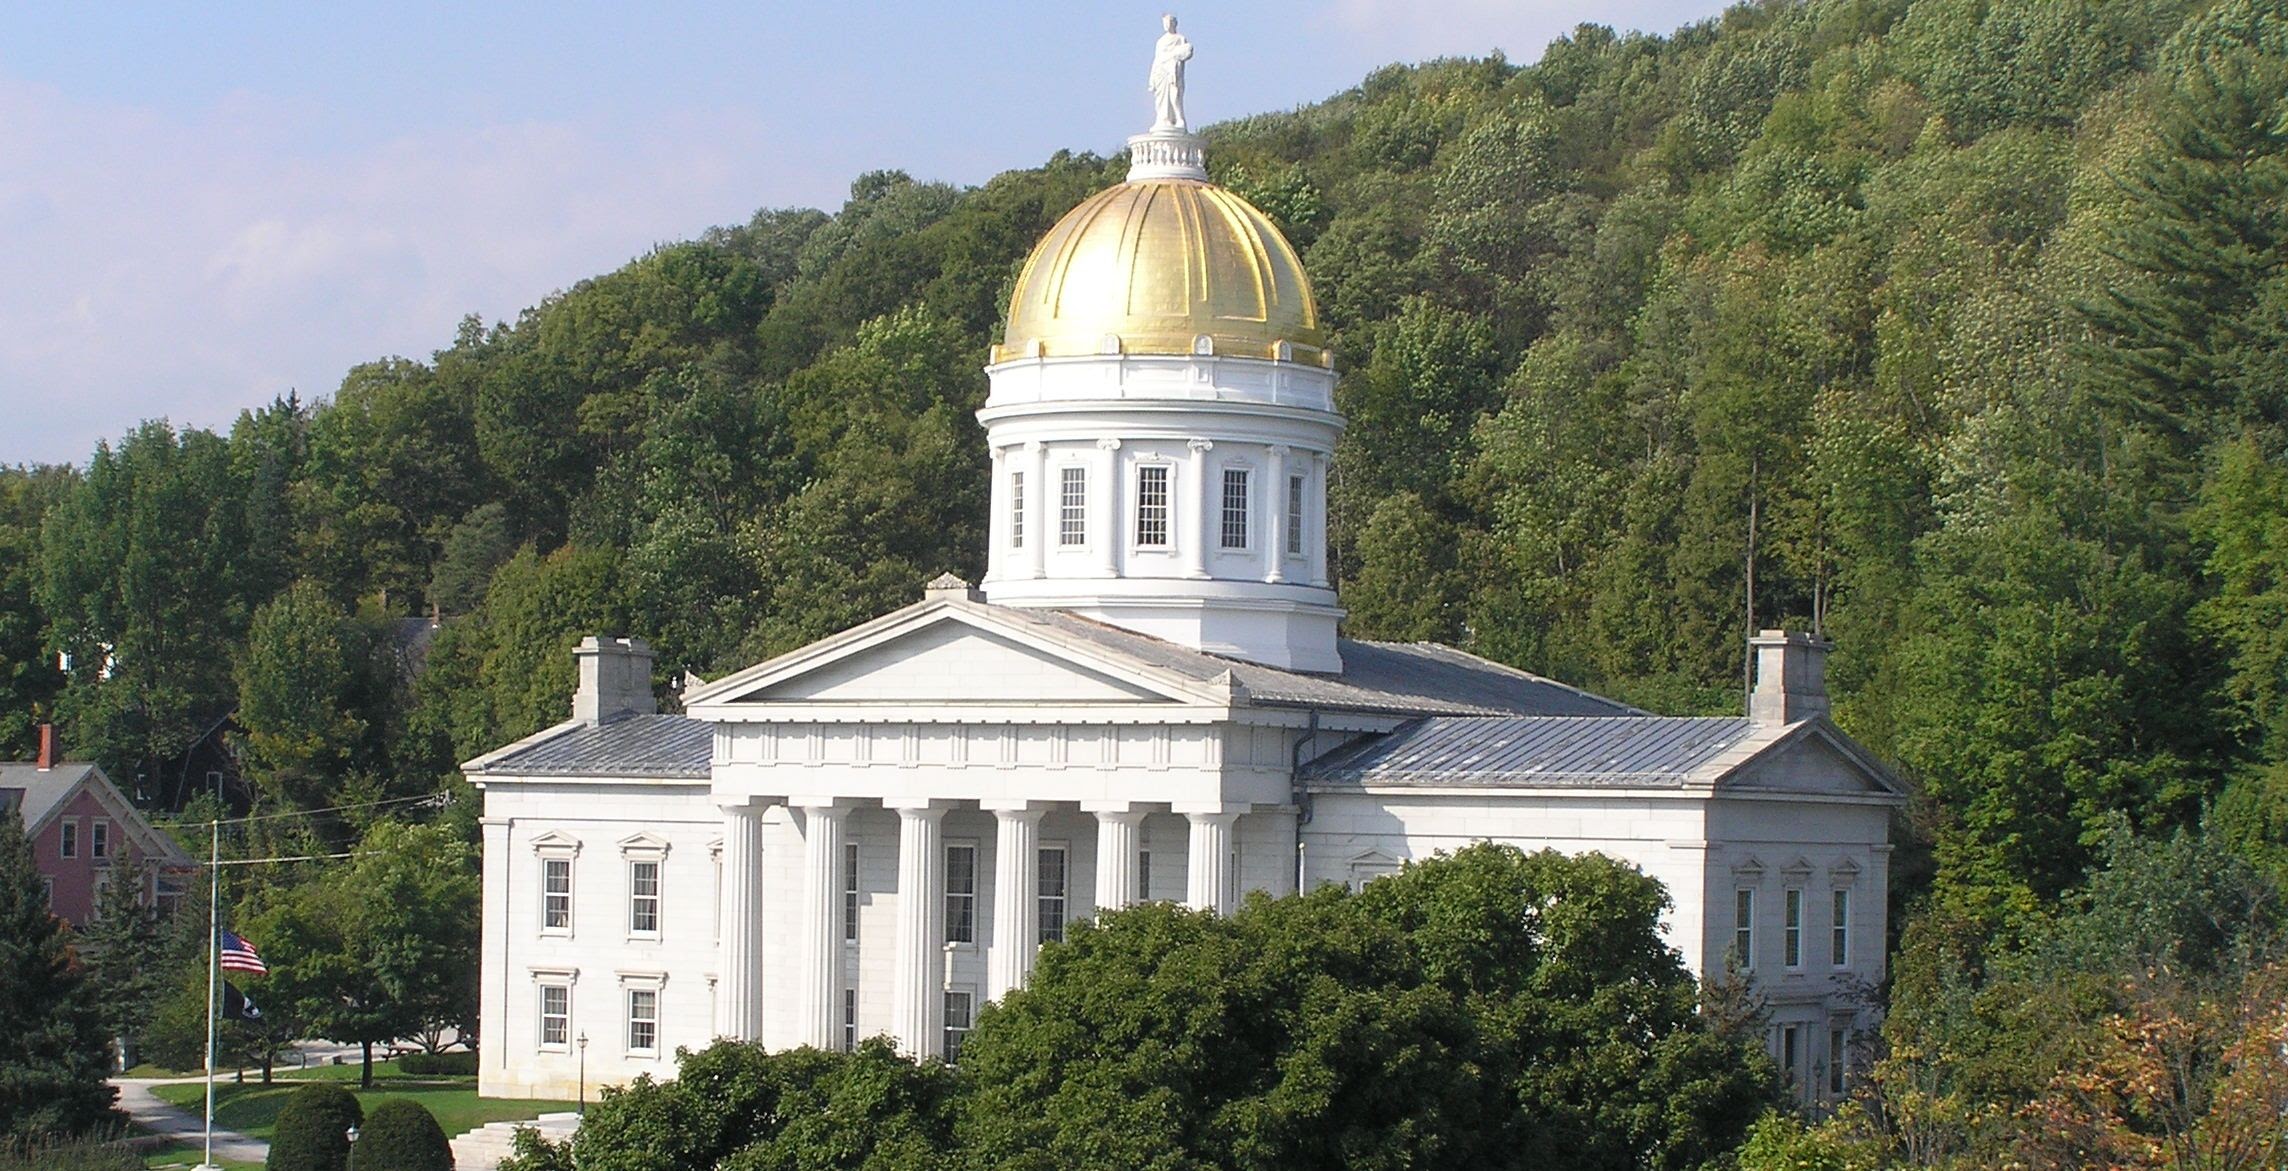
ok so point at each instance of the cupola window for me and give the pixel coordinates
(1295, 516)
(1235, 508)
(1152, 505)
(1072, 507)
(1016, 510)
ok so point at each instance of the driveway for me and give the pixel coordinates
(156, 1116)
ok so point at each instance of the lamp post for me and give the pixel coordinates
(583, 1073)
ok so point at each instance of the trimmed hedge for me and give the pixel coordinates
(313, 1129)
(463, 1064)
(401, 1135)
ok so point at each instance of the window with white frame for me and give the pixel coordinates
(958, 1008)
(70, 840)
(643, 1021)
(1053, 875)
(850, 892)
(1016, 510)
(49, 885)
(1839, 941)
(1072, 506)
(850, 1019)
(1838, 1058)
(556, 894)
(99, 841)
(715, 915)
(1791, 935)
(1791, 1048)
(1744, 928)
(555, 1014)
(1152, 505)
(1234, 508)
(961, 893)
(643, 898)
(1295, 516)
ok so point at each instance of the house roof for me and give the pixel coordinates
(38, 794)
(39, 791)
(1536, 751)
(632, 746)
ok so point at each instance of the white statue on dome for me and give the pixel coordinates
(1167, 83)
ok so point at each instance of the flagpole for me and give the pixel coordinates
(214, 938)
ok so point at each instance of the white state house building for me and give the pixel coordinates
(1146, 698)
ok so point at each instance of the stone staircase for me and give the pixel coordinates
(483, 1149)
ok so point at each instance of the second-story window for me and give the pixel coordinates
(556, 894)
(1744, 928)
(1295, 516)
(1017, 510)
(1791, 935)
(1052, 893)
(850, 892)
(643, 898)
(961, 894)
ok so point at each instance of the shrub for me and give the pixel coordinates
(438, 1064)
(79, 1154)
(313, 1129)
(401, 1135)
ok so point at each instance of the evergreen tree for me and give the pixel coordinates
(126, 951)
(53, 1052)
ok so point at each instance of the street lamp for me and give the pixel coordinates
(583, 1073)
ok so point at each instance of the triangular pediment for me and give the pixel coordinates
(947, 654)
(1815, 760)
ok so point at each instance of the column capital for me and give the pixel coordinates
(1032, 446)
(1209, 810)
(1108, 444)
(1280, 450)
(1016, 810)
(918, 806)
(829, 806)
(1200, 444)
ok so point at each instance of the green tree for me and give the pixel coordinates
(54, 1055)
(125, 951)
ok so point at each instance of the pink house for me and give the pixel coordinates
(81, 826)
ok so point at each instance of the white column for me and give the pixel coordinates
(818, 1016)
(1118, 837)
(1108, 528)
(1037, 491)
(917, 988)
(1275, 516)
(997, 551)
(1315, 519)
(1195, 529)
(739, 988)
(1016, 899)
(1209, 864)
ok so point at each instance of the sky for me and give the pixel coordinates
(206, 205)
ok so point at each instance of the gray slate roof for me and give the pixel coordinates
(1409, 678)
(631, 746)
(38, 792)
(1633, 752)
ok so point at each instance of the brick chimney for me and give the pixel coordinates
(1791, 677)
(615, 679)
(47, 747)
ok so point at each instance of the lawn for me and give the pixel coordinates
(187, 1155)
(252, 1108)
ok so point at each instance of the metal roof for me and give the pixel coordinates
(1407, 678)
(1535, 751)
(41, 789)
(631, 746)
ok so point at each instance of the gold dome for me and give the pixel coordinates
(1158, 264)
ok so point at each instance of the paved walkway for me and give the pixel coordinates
(155, 1115)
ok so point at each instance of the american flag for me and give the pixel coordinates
(239, 956)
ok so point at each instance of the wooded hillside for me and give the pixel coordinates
(1957, 329)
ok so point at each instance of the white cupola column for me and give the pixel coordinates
(1118, 838)
(1037, 489)
(1196, 523)
(739, 992)
(1209, 866)
(917, 986)
(1107, 507)
(818, 1014)
(1315, 520)
(1016, 899)
(1275, 516)
(997, 551)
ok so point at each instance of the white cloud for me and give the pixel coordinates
(194, 267)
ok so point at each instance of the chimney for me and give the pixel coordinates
(1791, 677)
(615, 679)
(47, 747)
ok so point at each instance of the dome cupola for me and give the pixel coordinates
(1161, 414)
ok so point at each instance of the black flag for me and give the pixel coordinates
(237, 1006)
